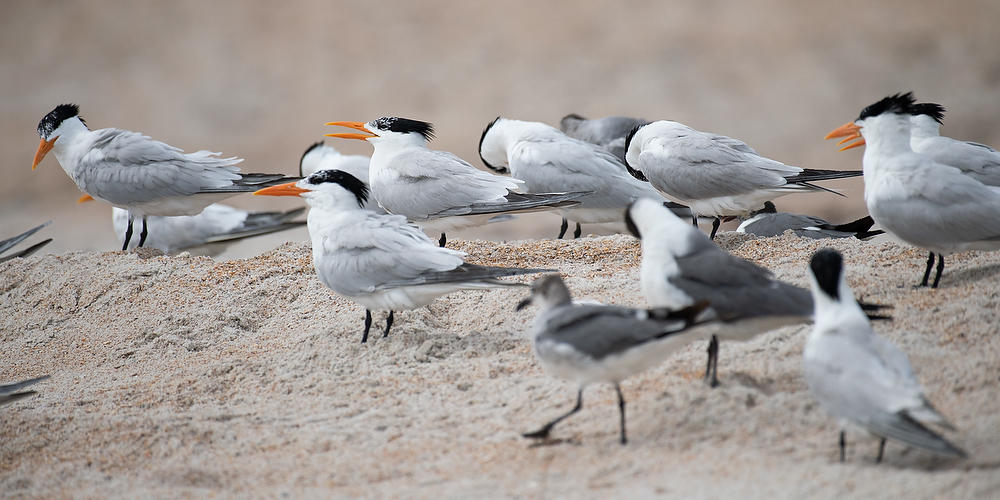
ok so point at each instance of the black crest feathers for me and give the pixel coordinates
(896, 103)
(349, 182)
(51, 121)
(405, 126)
(826, 265)
(935, 111)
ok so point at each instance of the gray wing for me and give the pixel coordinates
(777, 224)
(126, 167)
(599, 331)
(427, 182)
(260, 223)
(516, 202)
(978, 161)
(737, 288)
(695, 167)
(464, 273)
(10, 242)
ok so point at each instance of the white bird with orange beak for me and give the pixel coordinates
(133, 172)
(927, 204)
(380, 261)
(437, 190)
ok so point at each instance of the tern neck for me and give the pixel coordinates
(887, 134)
(923, 126)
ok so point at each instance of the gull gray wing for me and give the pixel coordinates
(737, 288)
(599, 331)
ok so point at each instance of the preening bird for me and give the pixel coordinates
(547, 160)
(715, 175)
(135, 173)
(608, 132)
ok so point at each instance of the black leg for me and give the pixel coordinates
(940, 269)
(578, 231)
(843, 446)
(368, 325)
(143, 233)
(442, 240)
(621, 411)
(711, 370)
(128, 233)
(388, 325)
(715, 227)
(881, 450)
(927, 271)
(544, 431)
(694, 218)
(562, 228)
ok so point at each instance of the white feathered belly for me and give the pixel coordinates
(412, 297)
(173, 206)
(561, 360)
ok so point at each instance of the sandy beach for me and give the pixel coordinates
(182, 376)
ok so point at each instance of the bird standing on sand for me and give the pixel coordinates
(859, 377)
(927, 204)
(136, 173)
(380, 261)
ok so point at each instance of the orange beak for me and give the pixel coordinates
(287, 189)
(356, 126)
(849, 131)
(85, 198)
(43, 149)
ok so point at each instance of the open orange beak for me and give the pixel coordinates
(43, 149)
(849, 131)
(287, 189)
(356, 126)
(85, 198)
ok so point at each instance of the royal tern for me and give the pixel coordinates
(214, 228)
(547, 160)
(437, 190)
(9, 394)
(380, 261)
(769, 222)
(920, 201)
(10, 242)
(608, 132)
(859, 377)
(713, 174)
(681, 266)
(133, 172)
(597, 343)
(319, 156)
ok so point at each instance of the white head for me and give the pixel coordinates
(326, 190)
(889, 118)
(315, 157)
(501, 134)
(653, 223)
(389, 130)
(641, 136)
(64, 120)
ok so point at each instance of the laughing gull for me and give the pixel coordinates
(598, 343)
(681, 266)
(713, 174)
(9, 243)
(380, 261)
(769, 222)
(9, 394)
(547, 160)
(911, 196)
(859, 377)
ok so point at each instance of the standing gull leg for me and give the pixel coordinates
(843, 446)
(128, 233)
(715, 227)
(143, 233)
(711, 370)
(578, 231)
(621, 411)
(388, 325)
(368, 325)
(544, 431)
(442, 240)
(927, 271)
(881, 450)
(940, 269)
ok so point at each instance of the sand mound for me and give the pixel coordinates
(185, 376)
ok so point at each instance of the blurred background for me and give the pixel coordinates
(259, 79)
